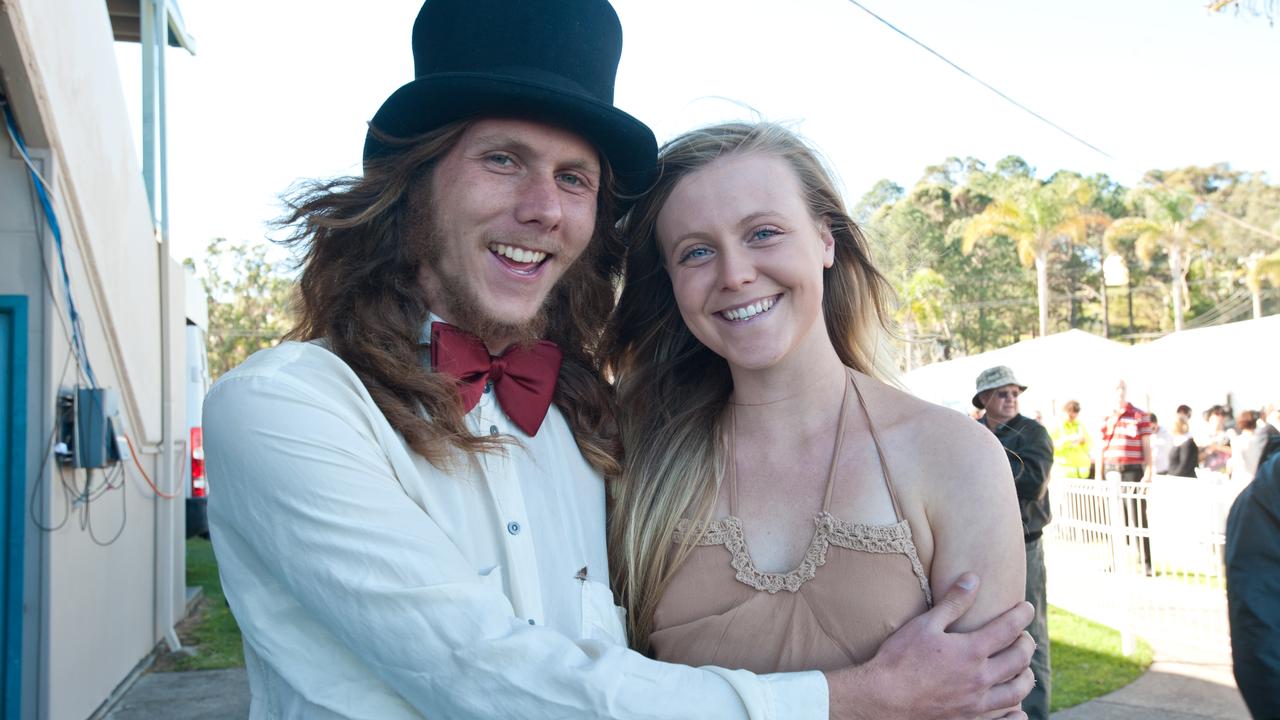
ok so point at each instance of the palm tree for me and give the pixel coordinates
(1035, 215)
(1168, 220)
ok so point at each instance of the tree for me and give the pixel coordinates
(921, 311)
(249, 297)
(1034, 215)
(1261, 267)
(1166, 220)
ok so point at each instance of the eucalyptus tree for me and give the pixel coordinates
(1170, 221)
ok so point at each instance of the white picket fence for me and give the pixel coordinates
(1176, 598)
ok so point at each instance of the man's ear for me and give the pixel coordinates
(828, 242)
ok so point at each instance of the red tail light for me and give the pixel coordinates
(199, 486)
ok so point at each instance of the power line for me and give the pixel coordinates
(982, 82)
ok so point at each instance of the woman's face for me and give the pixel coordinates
(745, 258)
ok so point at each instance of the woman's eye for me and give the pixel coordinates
(765, 233)
(695, 253)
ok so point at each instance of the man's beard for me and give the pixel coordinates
(459, 302)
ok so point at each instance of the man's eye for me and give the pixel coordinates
(500, 159)
(571, 179)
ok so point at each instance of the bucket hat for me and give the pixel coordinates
(548, 60)
(995, 377)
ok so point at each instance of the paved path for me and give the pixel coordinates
(196, 695)
(1184, 620)
(1170, 690)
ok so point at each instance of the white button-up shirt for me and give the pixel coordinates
(370, 584)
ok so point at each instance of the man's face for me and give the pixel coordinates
(1122, 395)
(1001, 403)
(511, 207)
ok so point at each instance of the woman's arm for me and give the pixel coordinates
(974, 518)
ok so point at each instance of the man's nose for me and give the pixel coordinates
(539, 202)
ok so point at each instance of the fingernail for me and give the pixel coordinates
(968, 581)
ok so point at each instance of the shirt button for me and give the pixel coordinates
(488, 388)
(493, 429)
(513, 527)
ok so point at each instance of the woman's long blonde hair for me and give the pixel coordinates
(672, 390)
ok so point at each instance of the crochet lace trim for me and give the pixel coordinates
(830, 530)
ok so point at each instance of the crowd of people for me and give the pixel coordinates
(1132, 448)
(1221, 442)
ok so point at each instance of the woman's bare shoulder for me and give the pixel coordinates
(936, 442)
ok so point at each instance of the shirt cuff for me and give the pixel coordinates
(780, 696)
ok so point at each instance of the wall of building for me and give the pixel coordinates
(91, 604)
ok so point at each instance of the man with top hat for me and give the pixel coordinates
(1030, 452)
(409, 503)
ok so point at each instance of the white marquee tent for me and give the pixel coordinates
(1237, 363)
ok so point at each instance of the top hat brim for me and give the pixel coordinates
(433, 101)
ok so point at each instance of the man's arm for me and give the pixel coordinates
(313, 529)
(923, 671)
(1035, 458)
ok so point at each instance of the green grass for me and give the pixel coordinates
(1086, 656)
(212, 633)
(1087, 661)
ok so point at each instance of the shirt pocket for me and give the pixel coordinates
(601, 619)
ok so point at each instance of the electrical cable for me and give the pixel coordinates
(44, 191)
(38, 482)
(124, 516)
(142, 472)
(982, 82)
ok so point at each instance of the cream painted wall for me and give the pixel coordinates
(92, 610)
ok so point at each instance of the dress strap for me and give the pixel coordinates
(731, 467)
(838, 446)
(875, 438)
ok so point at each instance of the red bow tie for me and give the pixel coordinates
(524, 379)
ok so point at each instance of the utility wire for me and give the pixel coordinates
(982, 82)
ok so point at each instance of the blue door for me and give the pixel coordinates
(13, 472)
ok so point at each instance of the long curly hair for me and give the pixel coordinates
(673, 390)
(359, 291)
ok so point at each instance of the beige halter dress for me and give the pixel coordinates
(856, 585)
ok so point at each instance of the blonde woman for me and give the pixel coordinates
(783, 507)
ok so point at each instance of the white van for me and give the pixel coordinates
(197, 383)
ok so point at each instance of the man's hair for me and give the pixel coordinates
(675, 389)
(1184, 410)
(359, 292)
(1153, 419)
(1247, 420)
(1072, 406)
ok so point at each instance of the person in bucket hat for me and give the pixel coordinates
(1030, 451)
(408, 500)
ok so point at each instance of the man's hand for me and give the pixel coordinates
(923, 672)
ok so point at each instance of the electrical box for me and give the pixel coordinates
(95, 441)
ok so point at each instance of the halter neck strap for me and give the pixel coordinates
(732, 469)
(875, 439)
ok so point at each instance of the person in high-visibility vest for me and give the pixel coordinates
(1071, 447)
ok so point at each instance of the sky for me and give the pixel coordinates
(280, 90)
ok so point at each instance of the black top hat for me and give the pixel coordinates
(552, 60)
